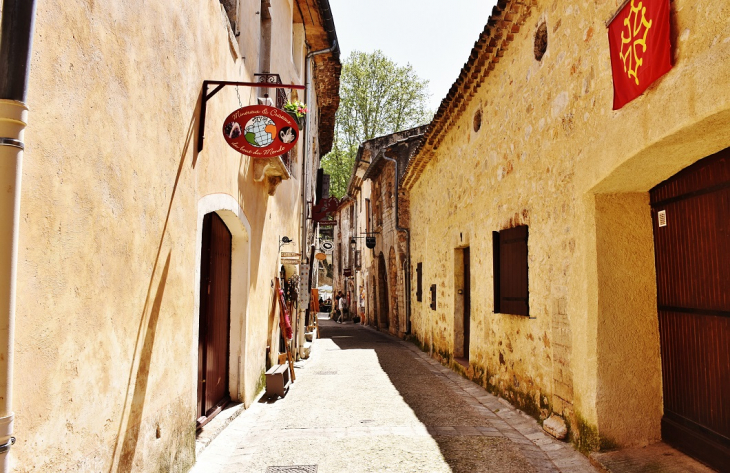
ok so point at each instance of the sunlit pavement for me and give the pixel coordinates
(367, 402)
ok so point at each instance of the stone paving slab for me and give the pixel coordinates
(656, 458)
(387, 407)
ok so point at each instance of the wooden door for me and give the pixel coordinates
(691, 216)
(215, 297)
(384, 312)
(467, 303)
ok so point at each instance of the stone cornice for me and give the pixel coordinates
(506, 19)
(319, 31)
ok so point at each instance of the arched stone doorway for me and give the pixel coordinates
(226, 208)
(382, 293)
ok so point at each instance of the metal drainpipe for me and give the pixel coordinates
(18, 17)
(408, 246)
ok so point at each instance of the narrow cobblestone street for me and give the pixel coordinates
(367, 402)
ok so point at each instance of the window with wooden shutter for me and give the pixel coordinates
(511, 293)
(368, 216)
(433, 297)
(419, 282)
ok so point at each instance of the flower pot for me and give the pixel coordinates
(299, 120)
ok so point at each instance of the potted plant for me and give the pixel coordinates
(297, 110)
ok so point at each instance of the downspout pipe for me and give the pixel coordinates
(408, 243)
(18, 18)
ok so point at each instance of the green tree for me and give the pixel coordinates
(377, 97)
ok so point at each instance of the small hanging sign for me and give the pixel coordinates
(260, 131)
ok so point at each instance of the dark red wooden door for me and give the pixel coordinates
(467, 303)
(383, 309)
(215, 297)
(691, 214)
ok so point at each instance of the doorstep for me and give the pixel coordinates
(658, 457)
(213, 428)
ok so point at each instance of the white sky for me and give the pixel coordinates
(434, 36)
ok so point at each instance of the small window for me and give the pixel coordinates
(541, 41)
(339, 257)
(433, 297)
(368, 216)
(511, 294)
(231, 7)
(419, 282)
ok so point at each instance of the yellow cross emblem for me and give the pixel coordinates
(633, 43)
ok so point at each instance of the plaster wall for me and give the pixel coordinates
(106, 334)
(552, 154)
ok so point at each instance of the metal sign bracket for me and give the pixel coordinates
(219, 85)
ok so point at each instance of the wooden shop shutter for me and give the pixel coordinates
(511, 293)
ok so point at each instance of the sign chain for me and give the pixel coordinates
(239, 98)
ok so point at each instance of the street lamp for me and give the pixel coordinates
(353, 243)
(285, 240)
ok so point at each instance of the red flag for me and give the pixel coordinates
(640, 50)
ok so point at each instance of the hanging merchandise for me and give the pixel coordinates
(291, 289)
(303, 280)
(285, 315)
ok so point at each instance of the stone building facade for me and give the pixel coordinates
(116, 194)
(527, 141)
(377, 284)
(389, 223)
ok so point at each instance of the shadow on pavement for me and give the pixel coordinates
(451, 422)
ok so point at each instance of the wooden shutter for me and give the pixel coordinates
(320, 183)
(419, 282)
(513, 288)
(495, 271)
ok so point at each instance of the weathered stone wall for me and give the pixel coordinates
(107, 317)
(391, 243)
(552, 154)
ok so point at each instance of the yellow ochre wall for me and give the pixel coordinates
(552, 154)
(107, 319)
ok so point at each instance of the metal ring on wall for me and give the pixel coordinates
(12, 142)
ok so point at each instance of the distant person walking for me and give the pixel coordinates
(336, 313)
(342, 304)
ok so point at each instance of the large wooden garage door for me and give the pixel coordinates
(215, 297)
(691, 214)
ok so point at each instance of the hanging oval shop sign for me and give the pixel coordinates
(260, 131)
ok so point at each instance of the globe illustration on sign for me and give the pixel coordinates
(260, 131)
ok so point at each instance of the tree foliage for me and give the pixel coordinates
(377, 97)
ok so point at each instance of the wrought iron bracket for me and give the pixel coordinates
(219, 84)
